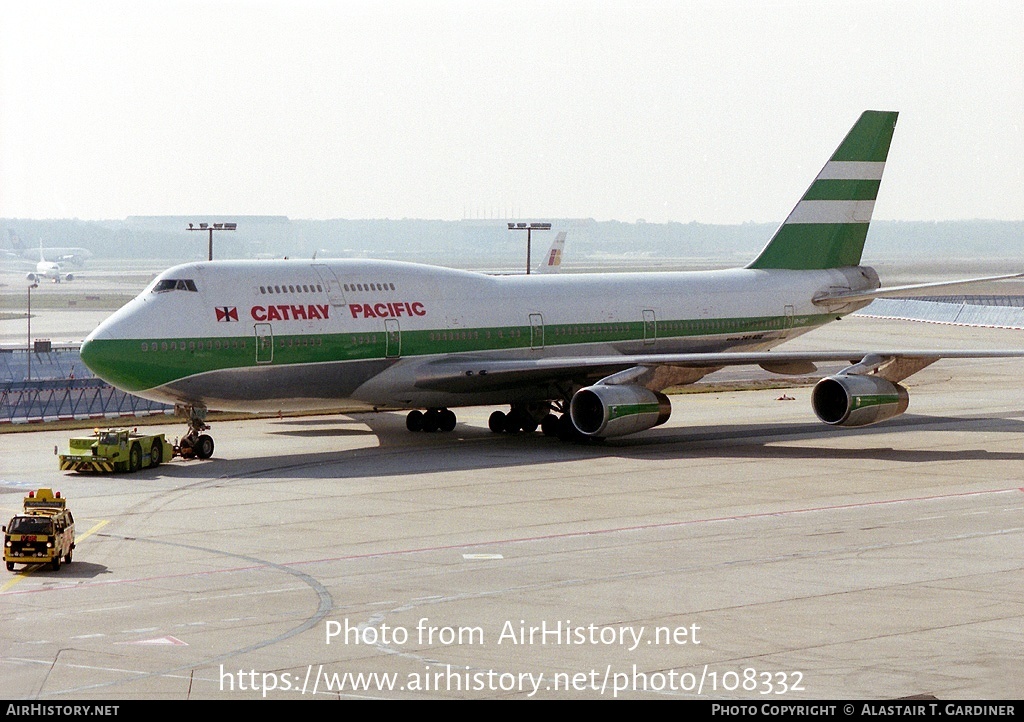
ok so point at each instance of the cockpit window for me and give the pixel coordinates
(172, 284)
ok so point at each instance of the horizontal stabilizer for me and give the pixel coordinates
(917, 289)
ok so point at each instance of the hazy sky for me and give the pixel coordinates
(719, 111)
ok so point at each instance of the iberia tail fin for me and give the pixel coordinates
(552, 262)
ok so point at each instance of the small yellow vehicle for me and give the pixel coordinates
(44, 533)
(109, 450)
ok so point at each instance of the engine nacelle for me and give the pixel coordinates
(857, 400)
(69, 277)
(31, 277)
(617, 409)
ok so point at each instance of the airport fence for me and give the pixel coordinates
(60, 387)
(62, 399)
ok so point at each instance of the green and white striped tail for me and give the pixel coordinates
(828, 226)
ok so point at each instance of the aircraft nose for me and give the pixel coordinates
(96, 357)
(109, 358)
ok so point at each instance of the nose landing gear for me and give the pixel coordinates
(194, 444)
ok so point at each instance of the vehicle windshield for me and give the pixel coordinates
(109, 438)
(30, 525)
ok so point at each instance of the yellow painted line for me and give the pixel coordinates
(93, 530)
(19, 576)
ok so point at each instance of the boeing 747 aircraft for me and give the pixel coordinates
(585, 355)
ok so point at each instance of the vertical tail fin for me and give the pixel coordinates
(828, 226)
(552, 262)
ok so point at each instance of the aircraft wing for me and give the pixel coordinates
(468, 375)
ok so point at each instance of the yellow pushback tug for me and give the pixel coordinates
(44, 533)
(109, 450)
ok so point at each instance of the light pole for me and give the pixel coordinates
(529, 228)
(34, 284)
(211, 227)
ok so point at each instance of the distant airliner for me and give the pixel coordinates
(581, 355)
(65, 254)
(48, 270)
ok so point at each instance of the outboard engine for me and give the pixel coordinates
(857, 400)
(617, 409)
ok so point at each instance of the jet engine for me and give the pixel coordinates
(857, 400)
(617, 409)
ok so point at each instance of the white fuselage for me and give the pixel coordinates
(270, 335)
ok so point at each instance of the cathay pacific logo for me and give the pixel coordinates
(385, 310)
(289, 313)
(227, 313)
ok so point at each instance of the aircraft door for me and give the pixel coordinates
(536, 330)
(650, 328)
(264, 343)
(331, 284)
(392, 338)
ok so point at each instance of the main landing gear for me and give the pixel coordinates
(431, 420)
(194, 444)
(552, 418)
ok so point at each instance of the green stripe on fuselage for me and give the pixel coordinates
(165, 360)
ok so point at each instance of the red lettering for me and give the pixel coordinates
(283, 310)
(356, 309)
(314, 313)
(322, 309)
(381, 309)
(299, 312)
(259, 313)
(418, 309)
(368, 311)
(391, 309)
(272, 314)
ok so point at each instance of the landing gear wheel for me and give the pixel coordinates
(134, 459)
(527, 423)
(204, 447)
(195, 443)
(448, 420)
(414, 421)
(431, 421)
(513, 422)
(549, 426)
(496, 422)
(156, 454)
(567, 431)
